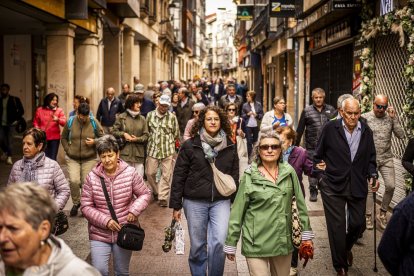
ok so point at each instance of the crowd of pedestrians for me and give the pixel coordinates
(184, 138)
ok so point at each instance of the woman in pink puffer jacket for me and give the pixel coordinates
(129, 196)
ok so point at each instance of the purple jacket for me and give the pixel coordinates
(127, 192)
(48, 175)
(299, 160)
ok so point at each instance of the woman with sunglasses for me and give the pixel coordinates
(197, 108)
(262, 210)
(277, 117)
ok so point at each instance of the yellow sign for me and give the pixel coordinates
(276, 7)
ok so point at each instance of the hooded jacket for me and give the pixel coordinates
(262, 211)
(61, 261)
(49, 175)
(128, 194)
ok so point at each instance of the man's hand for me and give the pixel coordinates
(177, 215)
(374, 186)
(391, 112)
(90, 141)
(113, 226)
(131, 217)
(321, 165)
(128, 137)
(231, 257)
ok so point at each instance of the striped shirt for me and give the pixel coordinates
(163, 131)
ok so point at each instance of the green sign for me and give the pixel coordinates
(245, 12)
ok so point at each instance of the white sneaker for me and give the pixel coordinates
(9, 161)
(293, 271)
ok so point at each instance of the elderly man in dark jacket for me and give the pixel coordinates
(313, 118)
(347, 147)
(107, 110)
(184, 109)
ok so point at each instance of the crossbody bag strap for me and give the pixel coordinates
(108, 201)
(293, 184)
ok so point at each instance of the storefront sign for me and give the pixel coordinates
(330, 35)
(285, 8)
(346, 4)
(387, 6)
(245, 12)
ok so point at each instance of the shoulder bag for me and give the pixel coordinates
(61, 224)
(131, 236)
(296, 226)
(224, 183)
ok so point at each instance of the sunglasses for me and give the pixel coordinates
(231, 109)
(381, 106)
(266, 147)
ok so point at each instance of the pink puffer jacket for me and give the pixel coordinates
(128, 194)
(48, 175)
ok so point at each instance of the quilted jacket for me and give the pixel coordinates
(49, 175)
(128, 194)
(44, 120)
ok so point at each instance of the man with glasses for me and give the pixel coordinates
(347, 147)
(163, 131)
(383, 121)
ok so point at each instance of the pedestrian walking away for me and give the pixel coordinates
(129, 197)
(27, 245)
(311, 122)
(11, 110)
(259, 212)
(347, 148)
(384, 121)
(78, 141)
(37, 168)
(193, 188)
(49, 118)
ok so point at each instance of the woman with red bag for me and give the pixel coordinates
(48, 117)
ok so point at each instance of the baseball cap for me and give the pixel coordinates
(139, 88)
(165, 99)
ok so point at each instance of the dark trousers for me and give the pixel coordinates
(5, 140)
(252, 134)
(52, 148)
(313, 182)
(339, 240)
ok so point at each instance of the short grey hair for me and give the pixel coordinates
(318, 90)
(342, 98)
(184, 90)
(198, 107)
(31, 201)
(256, 150)
(106, 143)
(349, 100)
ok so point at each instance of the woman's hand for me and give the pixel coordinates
(131, 217)
(127, 137)
(231, 257)
(177, 215)
(276, 125)
(113, 226)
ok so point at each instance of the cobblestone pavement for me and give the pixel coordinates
(153, 261)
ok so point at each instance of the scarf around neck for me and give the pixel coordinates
(133, 113)
(29, 167)
(212, 145)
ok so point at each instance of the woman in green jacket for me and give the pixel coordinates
(262, 212)
(132, 126)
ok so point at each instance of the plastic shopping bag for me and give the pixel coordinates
(179, 239)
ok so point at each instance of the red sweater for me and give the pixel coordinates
(44, 120)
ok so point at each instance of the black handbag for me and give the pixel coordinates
(131, 236)
(61, 224)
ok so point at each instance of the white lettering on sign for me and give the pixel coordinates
(386, 6)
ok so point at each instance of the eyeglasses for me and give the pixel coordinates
(231, 110)
(196, 111)
(266, 147)
(381, 106)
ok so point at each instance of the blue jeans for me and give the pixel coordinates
(207, 227)
(100, 253)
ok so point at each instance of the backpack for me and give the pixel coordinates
(70, 122)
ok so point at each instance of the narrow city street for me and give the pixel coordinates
(153, 261)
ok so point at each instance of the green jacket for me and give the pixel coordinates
(133, 151)
(77, 148)
(262, 213)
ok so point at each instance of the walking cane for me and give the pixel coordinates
(374, 195)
